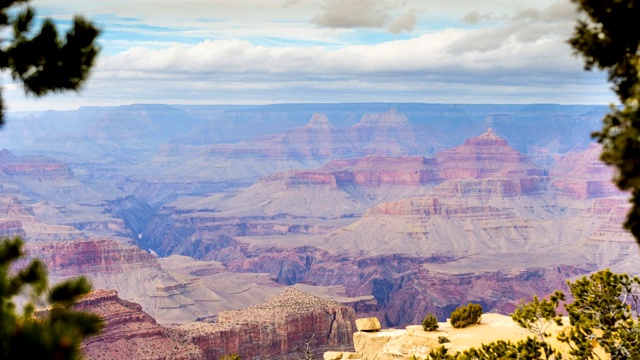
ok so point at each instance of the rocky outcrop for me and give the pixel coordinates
(129, 333)
(274, 329)
(484, 157)
(370, 171)
(41, 168)
(582, 175)
(20, 219)
(610, 243)
(92, 256)
(413, 341)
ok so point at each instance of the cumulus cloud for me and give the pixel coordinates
(352, 13)
(466, 53)
(522, 57)
(366, 14)
(404, 22)
(475, 17)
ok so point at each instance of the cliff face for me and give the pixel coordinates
(581, 175)
(129, 332)
(276, 328)
(483, 157)
(81, 257)
(370, 171)
(42, 168)
(20, 219)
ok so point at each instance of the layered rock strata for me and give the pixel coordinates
(581, 175)
(129, 333)
(275, 328)
(483, 157)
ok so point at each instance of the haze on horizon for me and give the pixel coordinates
(295, 51)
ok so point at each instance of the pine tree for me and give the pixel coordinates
(59, 330)
(39, 58)
(608, 38)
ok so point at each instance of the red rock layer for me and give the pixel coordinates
(11, 228)
(275, 328)
(370, 171)
(437, 207)
(386, 134)
(79, 257)
(483, 157)
(129, 332)
(35, 167)
(583, 175)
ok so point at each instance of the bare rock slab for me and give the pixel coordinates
(368, 324)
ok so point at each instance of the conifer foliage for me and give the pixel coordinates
(430, 322)
(537, 316)
(39, 58)
(54, 334)
(464, 316)
(608, 38)
(603, 318)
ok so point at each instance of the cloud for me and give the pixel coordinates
(518, 56)
(477, 53)
(475, 17)
(378, 14)
(352, 13)
(404, 22)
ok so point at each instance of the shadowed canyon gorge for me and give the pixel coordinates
(211, 230)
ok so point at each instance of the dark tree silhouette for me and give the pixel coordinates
(55, 333)
(608, 36)
(42, 60)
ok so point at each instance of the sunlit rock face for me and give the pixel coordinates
(274, 329)
(129, 332)
(487, 156)
(582, 175)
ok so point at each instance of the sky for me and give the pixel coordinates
(293, 51)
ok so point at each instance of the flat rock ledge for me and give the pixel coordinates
(394, 344)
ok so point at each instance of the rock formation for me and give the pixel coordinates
(129, 332)
(582, 175)
(274, 329)
(91, 256)
(483, 157)
(413, 341)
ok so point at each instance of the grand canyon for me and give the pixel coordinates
(212, 230)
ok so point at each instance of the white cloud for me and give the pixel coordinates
(514, 54)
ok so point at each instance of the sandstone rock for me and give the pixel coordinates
(39, 167)
(275, 328)
(389, 344)
(90, 256)
(129, 332)
(336, 355)
(582, 175)
(368, 324)
(485, 156)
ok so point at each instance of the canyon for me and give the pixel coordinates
(200, 217)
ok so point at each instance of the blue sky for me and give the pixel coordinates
(279, 51)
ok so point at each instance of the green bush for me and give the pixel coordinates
(231, 357)
(464, 316)
(443, 339)
(430, 322)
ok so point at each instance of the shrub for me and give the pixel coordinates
(430, 322)
(443, 339)
(231, 357)
(464, 316)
